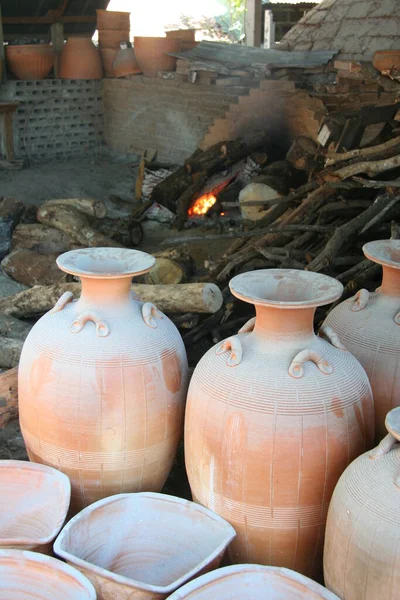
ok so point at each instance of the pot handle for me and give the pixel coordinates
(102, 329)
(397, 318)
(332, 337)
(150, 313)
(62, 302)
(384, 447)
(296, 366)
(233, 346)
(249, 326)
(360, 300)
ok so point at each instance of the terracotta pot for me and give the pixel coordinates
(80, 60)
(250, 582)
(30, 62)
(369, 327)
(107, 58)
(111, 38)
(185, 46)
(274, 415)
(112, 19)
(125, 63)
(151, 54)
(102, 381)
(34, 502)
(361, 557)
(143, 545)
(31, 576)
(183, 34)
(387, 60)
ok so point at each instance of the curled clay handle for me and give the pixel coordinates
(384, 447)
(360, 300)
(233, 346)
(397, 318)
(248, 327)
(150, 313)
(296, 366)
(102, 329)
(332, 337)
(62, 302)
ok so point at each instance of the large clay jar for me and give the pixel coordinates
(250, 582)
(102, 381)
(80, 59)
(30, 61)
(152, 54)
(274, 415)
(369, 326)
(361, 556)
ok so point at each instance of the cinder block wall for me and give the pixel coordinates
(56, 118)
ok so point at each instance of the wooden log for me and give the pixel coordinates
(336, 157)
(8, 396)
(40, 238)
(171, 188)
(31, 268)
(303, 154)
(11, 211)
(10, 351)
(370, 168)
(173, 266)
(89, 206)
(182, 298)
(75, 224)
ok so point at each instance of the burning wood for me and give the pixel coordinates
(202, 205)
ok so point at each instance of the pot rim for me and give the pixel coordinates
(57, 565)
(66, 488)
(229, 573)
(248, 287)
(134, 583)
(392, 422)
(128, 263)
(379, 251)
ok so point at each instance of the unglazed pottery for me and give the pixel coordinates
(152, 54)
(102, 381)
(125, 63)
(30, 61)
(143, 545)
(31, 576)
(108, 55)
(111, 38)
(369, 326)
(274, 415)
(80, 59)
(34, 501)
(252, 582)
(361, 557)
(112, 19)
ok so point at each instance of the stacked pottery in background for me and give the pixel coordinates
(187, 37)
(113, 28)
(274, 415)
(102, 381)
(125, 62)
(29, 61)
(80, 60)
(369, 326)
(361, 556)
(152, 54)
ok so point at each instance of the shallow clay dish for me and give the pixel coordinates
(30, 576)
(146, 544)
(34, 501)
(253, 581)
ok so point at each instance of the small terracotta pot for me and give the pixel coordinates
(30, 576)
(34, 502)
(111, 38)
(125, 63)
(80, 59)
(183, 34)
(253, 581)
(112, 19)
(185, 46)
(143, 545)
(108, 56)
(152, 54)
(30, 62)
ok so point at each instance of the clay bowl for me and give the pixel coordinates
(30, 61)
(243, 582)
(146, 544)
(34, 501)
(30, 576)
(152, 54)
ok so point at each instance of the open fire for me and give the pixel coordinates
(202, 205)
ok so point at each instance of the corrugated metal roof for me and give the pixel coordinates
(41, 8)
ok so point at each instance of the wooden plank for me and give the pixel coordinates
(253, 23)
(48, 20)
(57, 39)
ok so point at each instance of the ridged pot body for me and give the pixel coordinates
(31, 61)
(369, 326)
(361, 556)
(101, 392)
(80, 60)
(266, 439)
(152, 54)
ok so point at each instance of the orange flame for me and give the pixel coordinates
(202, 205)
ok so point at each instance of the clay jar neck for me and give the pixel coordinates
(390, 281)
(286, 324)
(112, 294)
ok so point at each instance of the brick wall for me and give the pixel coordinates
(56, 118)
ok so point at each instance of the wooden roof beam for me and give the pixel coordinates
(48, 20)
